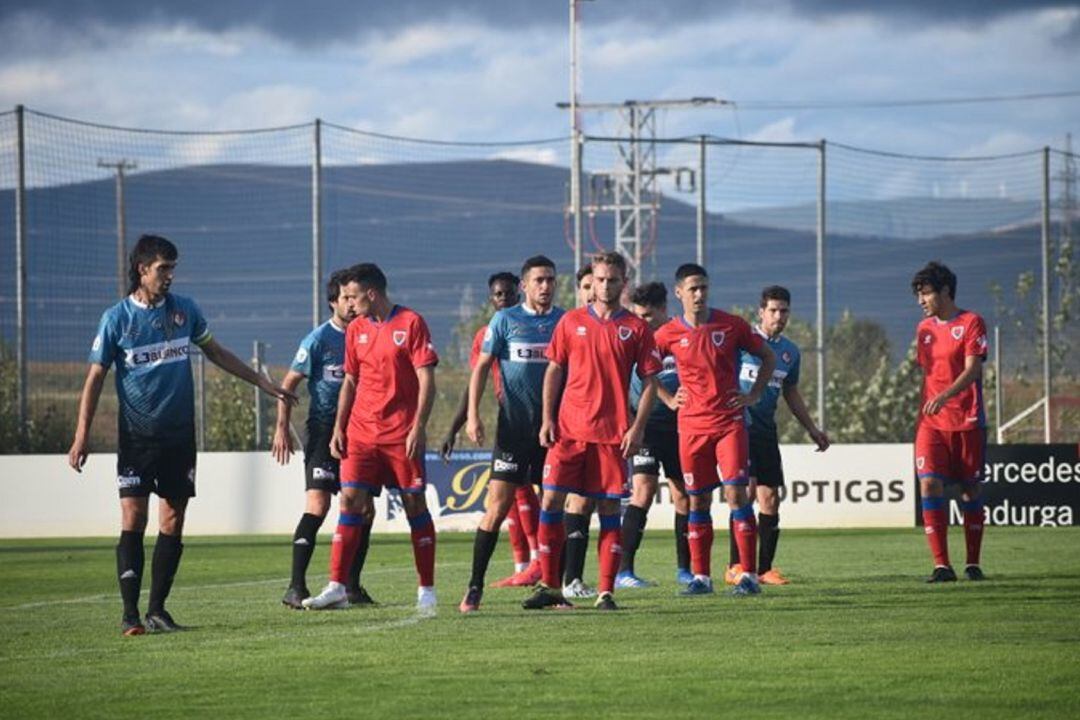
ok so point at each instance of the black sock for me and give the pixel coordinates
(577, 544)
(167, 552)
(483, 547)
(732, 544)
(633, 525)
(768, 537)
(359, 559)
(130, 559)
(682, 544)
(303, 546)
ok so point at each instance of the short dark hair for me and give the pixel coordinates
(613, 259)
(148, 248)
(333, 285)
(775, 292)
(504, 276)
(651, 294)
(689, 270)
(534, 262)
(368, 275)
(584, 272)
(937, 276)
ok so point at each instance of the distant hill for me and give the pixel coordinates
(439, 229)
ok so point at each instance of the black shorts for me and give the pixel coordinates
(322, 471)
(145, 465)
(765, 465)
(518, 463)
(660, 449)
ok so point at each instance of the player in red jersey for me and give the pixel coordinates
(706, 343)
(380, 432)
(950, 438)
(592, 353)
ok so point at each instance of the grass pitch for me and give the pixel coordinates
(857, 634)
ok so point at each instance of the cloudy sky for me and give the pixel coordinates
(493, 69)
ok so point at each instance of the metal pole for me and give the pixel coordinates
(257, 363)
(20, 279)
(200, 400)
(701, 216)
(1047, 388)
(575, 139)
(121, 221)
(316, 226)
(821, 288)
(999, 392)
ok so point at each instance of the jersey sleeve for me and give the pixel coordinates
(662, 340)
(922, 350)
(749, 340)
(792, 378)
(649, 360)
(477, 345)
(302, 361)
(494, 339)
(421, 349)
(558, 349)
(352, 362)
(103, 349)
(200, 332)
(975, 342)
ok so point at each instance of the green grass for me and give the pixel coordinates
(857, 634)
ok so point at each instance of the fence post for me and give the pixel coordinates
(257, 363)
(1047, 387)
(20, 280)
(701, 216)
(999, 391)
(821, 288)
(200, 402)
(316, 225)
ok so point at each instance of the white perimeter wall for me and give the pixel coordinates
(40, 496)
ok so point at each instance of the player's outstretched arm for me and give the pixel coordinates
(477, 382)
(282, 447)
(88, 402)
(798, 407)
(973, 365)
(554, 377)
(416, 441)
(631, 441)
(765, 372)
(346, 395)
(224, 359)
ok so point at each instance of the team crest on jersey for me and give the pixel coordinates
(179, 319)
(97, 343)
(399, 337)
(786, 356)
(688, 479)
(488, 335)
(581, 330)
(957, 332)
(920, 462)
(684, 342)
(362, 339)
(157, 324)
(718, 338)
(301, 355)
(625, 332)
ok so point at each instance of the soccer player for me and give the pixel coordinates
(524, 514)
(592, 353)
(380, 432)
(321, 360)
(516, 339)
(660, 449)
(766, 469)
(950, 437)
(579, 508)
(712, 426)
(147, 337)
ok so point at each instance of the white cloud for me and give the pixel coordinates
(780, 131)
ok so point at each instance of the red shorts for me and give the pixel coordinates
(952, 456)
(595, 470)
(374, 467)
(709, 461)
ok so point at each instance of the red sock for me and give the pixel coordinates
(746, 538)
(936, 524)
(550, 538)
(519, 544)
(528, 512)
(423, 543)
(700, 538)
(343, 549)
(973, 531)
(610, 551)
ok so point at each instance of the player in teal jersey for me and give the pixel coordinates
(516, 338)
(321, 360)
(766, 470)
(147, 337)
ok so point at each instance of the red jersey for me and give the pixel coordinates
(943, 347)
(707, 358)
(598, 356)
(384, 357)
(474, 355)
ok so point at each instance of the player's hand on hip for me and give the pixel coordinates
(77, 455)
(282, 447)
(681, 396)
(739, 400)
(416, 442)
(475, 430)
(547, 434)
(337, 445)
(934, 405)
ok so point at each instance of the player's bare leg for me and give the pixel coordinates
(500, 498)
(167, 552)
(744, 525)
(551, 536)
(644, 488)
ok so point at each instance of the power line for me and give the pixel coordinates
(909, 102)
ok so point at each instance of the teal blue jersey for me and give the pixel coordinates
(662, 417)
(321, 359)
(149, 348)
(786, 374)
(518, 338)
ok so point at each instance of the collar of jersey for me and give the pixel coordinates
(389, 316)
(527, 311)
(144, 306)
(614, 316)
(939, 321)
(333, 324)
(774, 341)
(688, 326)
